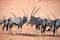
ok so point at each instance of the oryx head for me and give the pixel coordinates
(25, 17)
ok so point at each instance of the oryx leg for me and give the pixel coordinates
(54, 31)
(41, 29)
(3, 28)
(49, 29)
(10, 28)
(56, 28)
(0, 27)
(44, 28)
(7, 27)
(21, 28)
(17, 29)
(37, 27)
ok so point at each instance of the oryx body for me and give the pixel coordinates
(18, 21)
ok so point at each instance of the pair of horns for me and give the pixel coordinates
(32, 14)
(53, 15)
(13, 14)
(49, 16)
(23, 12)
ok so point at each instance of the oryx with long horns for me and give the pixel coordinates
(49, 23)
(18, 21)
(33, 20)
(36, 20)
(56, 24)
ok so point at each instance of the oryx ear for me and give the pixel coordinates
(23, 12)
(13, 14)
(32, 11)
(53, 15)
(36, 11)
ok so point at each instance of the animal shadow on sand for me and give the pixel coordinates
(33, 35)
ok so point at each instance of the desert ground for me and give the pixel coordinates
(47, 7)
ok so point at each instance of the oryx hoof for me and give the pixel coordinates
(41, 31)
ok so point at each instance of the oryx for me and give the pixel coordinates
(56, 24)
(51, 24)
(33, 20)
(36, 20)
(18, 21)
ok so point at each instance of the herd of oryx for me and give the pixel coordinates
(37, 21)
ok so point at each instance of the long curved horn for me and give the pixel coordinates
(33, 11)
(13, 14)
(36, 11)
(27, 13)
(23, 12)
(53, 15)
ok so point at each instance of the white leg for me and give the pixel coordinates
(17, 31)
(56, 32)
(10, 31)
(2, 30)
(20, 30)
